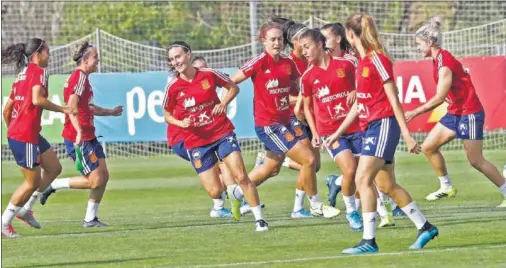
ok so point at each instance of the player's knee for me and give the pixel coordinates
(427, 150)
(310, 160)
(362, 182)
(475, 161)
(274, 171)
(349, 172)
(33, 185)
(58, 169)
(215, 191)
(242, 177)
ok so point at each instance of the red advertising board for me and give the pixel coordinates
(416, 86)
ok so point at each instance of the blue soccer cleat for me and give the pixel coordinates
(364, 247)
(334, 188)
(221, 213)
(397, 212)
(301, 214)
(426, 234)
(355, 221)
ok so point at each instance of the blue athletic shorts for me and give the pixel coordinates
(92, 150)
(467, 127)
(205, 157)
(381, 139)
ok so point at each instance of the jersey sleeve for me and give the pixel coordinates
(383, 66)
(79, 82)
(252, 66)
(169, 100)
(41, 78)
(220, 79)
(305, 85)
(445, 59)
(350, 74)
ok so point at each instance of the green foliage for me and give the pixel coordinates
(203, 26)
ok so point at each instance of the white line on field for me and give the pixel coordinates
(217, 224)
(413, 252)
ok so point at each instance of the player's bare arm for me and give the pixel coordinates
(443, 87)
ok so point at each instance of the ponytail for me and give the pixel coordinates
(364, 27)
(21, 53)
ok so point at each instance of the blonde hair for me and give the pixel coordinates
(431, 31)
(364, 27)
(80, 51)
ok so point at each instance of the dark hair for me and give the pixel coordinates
(197, 58)
(20, 53)
(80, 51)
(182, 44)
(338, 30)
(290, 29)
(316, 35)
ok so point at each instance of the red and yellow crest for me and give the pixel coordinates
(365, 72)
(298, 131)
(289, 137)
(197, 163)
(335, 145)
(340, 73)
(205, 84)
(93, 157)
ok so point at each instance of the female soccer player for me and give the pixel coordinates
(326, 85)
(291, 33)
(465, 117)
(382, 118)
(79, 132)
(50, 165)
(29, 99)
(191, 103)
(175, 139)
(338, 46)
(273, 77)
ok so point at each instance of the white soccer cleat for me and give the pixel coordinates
(442, 193)
(325, 211)
(261, 226)
(8, 231)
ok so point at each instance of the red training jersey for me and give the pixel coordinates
(329, 90)
(174, 133)
(17, 105)
(77, 83)
(272, 82)
(372, 72)
(196, 100)
(462, 98)
(301, 65)
(25, 126)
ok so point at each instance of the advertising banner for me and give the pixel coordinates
(142, 95)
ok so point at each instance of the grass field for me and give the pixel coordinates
(159, 217)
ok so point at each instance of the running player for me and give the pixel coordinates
(326, 85)
(465, 117)
(338, 46)
(29, 99)
(79, 135)
(273, 77)
(50, 165)
(191, 103)
(175, 139)
(382, 118)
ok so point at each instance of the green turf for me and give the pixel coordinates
(158, 214)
